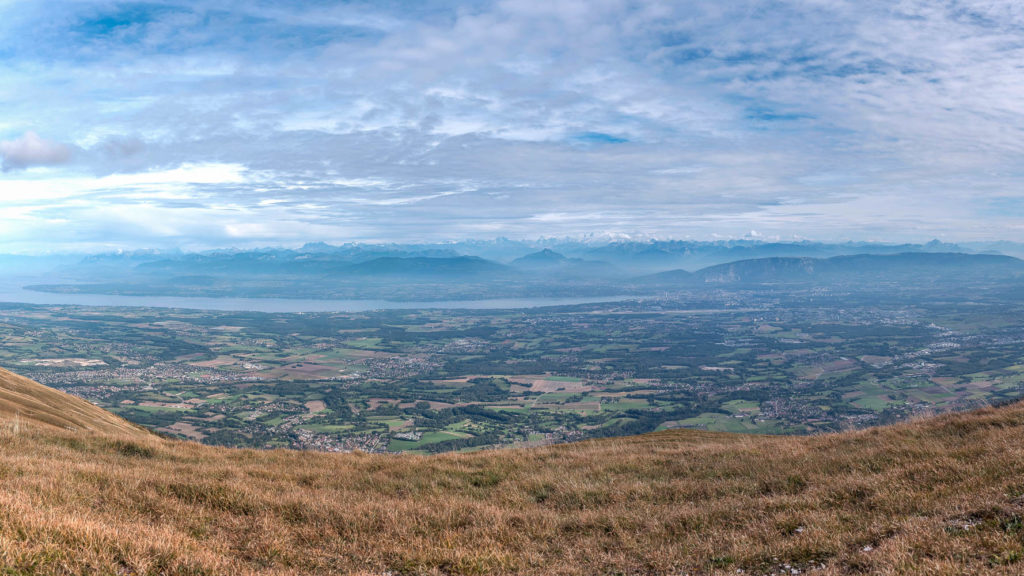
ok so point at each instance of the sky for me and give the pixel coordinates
(203, 124)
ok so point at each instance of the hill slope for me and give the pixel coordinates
(938, 496)
(907, 268)
(26, 402)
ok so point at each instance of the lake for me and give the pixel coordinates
(16, 294)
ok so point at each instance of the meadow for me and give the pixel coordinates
(937, 496)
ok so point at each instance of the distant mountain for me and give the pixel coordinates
(905, 267)
(589, 257)
(637, 256)
(553, 265)
(562, 268)
(315, 260)
(546, 258)
(460, 266)
(661, 255)
(670, 278)
(251, 262)
(1015, 249)
(761, 270)
(359, 253)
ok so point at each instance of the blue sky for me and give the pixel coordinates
(205, 124)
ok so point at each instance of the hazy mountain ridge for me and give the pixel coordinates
(543, 258)
(425, 273)
(551, 262)
(450, 268)
(907, 266)
(698, 254)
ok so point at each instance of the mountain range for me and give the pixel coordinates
(440, 275)
(634, 257)
(903, 267)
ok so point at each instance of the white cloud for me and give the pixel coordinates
(784, 116)
(166, 184)
(31, 150)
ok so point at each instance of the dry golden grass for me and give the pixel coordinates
(939, 496)
(24, 401)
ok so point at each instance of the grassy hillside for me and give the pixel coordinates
(939, 496)
(26, 402)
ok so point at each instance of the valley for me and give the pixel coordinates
(777, 361)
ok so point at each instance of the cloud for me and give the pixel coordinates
(187, 181)
(31, 150)
(119, 146)
(436, 119)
